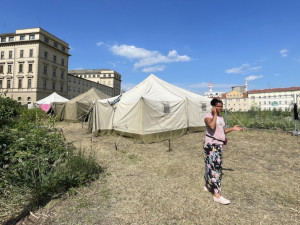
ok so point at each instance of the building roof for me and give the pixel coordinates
(274, 90)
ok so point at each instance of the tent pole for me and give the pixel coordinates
(226, 112)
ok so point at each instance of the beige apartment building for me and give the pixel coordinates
(105, 77)
(33, 64)
(78, 85)
(274, 98)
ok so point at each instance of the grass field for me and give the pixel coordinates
(147, 184)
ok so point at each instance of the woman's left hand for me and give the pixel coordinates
(237, 128)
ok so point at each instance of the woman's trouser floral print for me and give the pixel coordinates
(213, 166)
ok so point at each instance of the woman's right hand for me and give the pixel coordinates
(214, 111)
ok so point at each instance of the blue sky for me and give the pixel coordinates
(187, 43)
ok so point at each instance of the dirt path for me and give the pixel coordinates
(147, 184)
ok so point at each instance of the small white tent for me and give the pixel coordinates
(54, 97)
(153, 110)
(45, 103)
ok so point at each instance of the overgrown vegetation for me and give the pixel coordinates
(262, 119)
(36, 163)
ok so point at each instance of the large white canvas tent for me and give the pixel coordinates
(76, 108)
(45, 103)
(154, 110)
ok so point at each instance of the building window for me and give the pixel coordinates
(1, 68)
(10, 55)
(22, 37)
(62, 62)
(78, 90)
(31, 37)
(30, 68)
(8, 85)
(62, 74)
(62, 88)
(11, 39)
(31, 53)
(0, 83)
(53, 86)
(70, 79)
(2, 54)
(19, 99)
(54, 58)
(63, 48)
(46, 40)
(29, 83)
(21, 68)
(44, 84)
(45, 69)
(55, 44)
(28, 99)
(46, 55)
(54, 72)
(3, 39)
(19, 83)
(69, 88)
(21, 53)
(9, 69)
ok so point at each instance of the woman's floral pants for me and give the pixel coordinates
(213, 166)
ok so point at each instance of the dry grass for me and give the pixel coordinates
(147, 184)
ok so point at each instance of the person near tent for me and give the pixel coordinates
(213, 149)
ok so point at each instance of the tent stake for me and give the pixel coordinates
(170, 149)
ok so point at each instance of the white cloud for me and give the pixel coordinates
(284, 52)
(153, 69)
(245, 68)
(146, 57)
(100, 43)
(253, 77)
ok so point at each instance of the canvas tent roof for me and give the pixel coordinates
(151, 111)
(54, 97)
(77, 107)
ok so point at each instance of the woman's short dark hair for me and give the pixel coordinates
(215, 101)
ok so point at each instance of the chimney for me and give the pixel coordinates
(210, 87)
(246, 84)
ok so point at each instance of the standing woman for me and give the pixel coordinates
(213, 149)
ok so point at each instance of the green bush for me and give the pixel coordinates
(35, 157)
(256, 118)
(9, 110)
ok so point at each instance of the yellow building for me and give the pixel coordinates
(235, 101)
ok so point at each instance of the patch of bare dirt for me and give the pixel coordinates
(147, 184)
